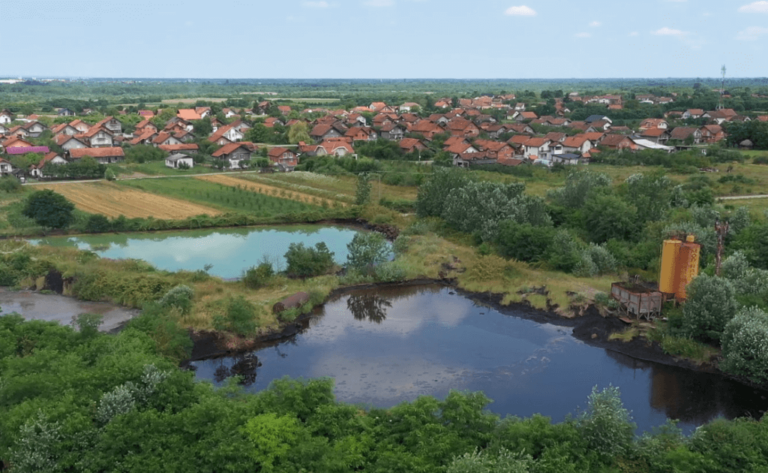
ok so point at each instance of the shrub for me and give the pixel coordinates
(401, 244)
(179, 297)
(595, 261)
(760, 160)
(606, 425)
(239, 318)
(390, 272)
(564, 252)
(363, 192)
(258, 276)
(578, 186)
(433, 193)
(524, 242)
(97, 224)
(88, 324)
(711, 305)
(745, 345)
(367, 249)
(486, 268)
(9, 184)
(484, 462)
(306, 261)
(607, 217)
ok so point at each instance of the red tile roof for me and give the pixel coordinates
(188, 114)
(96, 152)
(181, 147)
(231, 147)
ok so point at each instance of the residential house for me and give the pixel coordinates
(523, 116)
(15, 142)
(521, 128)
(145, 138)
(5, 168)
(226, 134)
(3, 129)
(495, 149)
(64, 129)
(34, 128)
(165, 138)
(464, 160)
(112, 125)
(595, 137)
(597, 118)
(185, 148)
(518, 141)
(18, 131)
(143, 127)
(360, 133)
(6, 117)
(656, 135)
(649, 123)
(324, 131)
(284, 109)
(179, 161)
(683, 133)
(102, 155)
(712, 133)
(577, 144)
(184, 136)
(80, 126)
(520, 107)
(408, 106)
(392, 132)
(642, 144)
(98, 138)
(620, 142)
(410, 145)
(52, 158)
(234, 153)
(203, 111)
(67, 142)
(566, 159)
(283, 157)
(270, 122)
(331, 147)
(188, 114)
(461, 148)
(65, 112)
(428, 129)
(463, 127)
(147, 114)
(555, 136)
(694, 113)
(535, 147)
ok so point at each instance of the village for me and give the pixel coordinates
(466, 132)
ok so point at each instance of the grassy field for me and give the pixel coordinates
(222, 197)
(757, 207)
(114, 200)
(157, 168)
(254, 186)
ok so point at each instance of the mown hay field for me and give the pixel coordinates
(256, 186)
(113, 200)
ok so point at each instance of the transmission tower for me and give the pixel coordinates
(720, 105)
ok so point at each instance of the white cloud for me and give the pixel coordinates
(583, 35)
(521, 10)
(634, 33)
(379, 3)
(752, 33)
(668, 32)
(320, 4)
(755, 7)
(595, 24)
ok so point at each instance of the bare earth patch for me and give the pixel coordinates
(113, 200)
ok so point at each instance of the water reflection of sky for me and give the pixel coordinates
(230, 251)
(392, 346)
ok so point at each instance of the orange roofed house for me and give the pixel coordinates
(283, 157)
(102, 155)
(235, 153)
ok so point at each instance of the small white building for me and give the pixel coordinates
(180, 161)
(5, 117)
(5, 167)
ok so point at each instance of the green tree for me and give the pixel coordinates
(49, 209)
(745, 345)
(305, 261)
(606, 425)
(273, 437)
(710, 306)
(363, 192)
(366, 250)
(298, 132)
(239, 317)
(97, 223)
(608, 216)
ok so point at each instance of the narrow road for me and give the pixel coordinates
(162, 176)
(744, 197)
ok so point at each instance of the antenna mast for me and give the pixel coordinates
(720, 105)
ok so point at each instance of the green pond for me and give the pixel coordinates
(229, 251)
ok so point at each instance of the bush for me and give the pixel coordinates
(390, 272)
(179, 297)
(595, 261)
(9, 184)
(366, 250)
(239, 318)
(306, 261)
(578, 186)
(484, 462)
(97, 224)
(564, 252)
(49, 209)
(433, 193)
(760, 160)
(363, 191)
(258, 276)
(607, 425)
(745, 345)
(524, 242)
(711, 305)
(607, 217)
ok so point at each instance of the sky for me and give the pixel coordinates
(460, 39)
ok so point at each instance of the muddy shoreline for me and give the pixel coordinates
(590, 328)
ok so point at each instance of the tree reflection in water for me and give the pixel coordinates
(244, 367)
(370, 307)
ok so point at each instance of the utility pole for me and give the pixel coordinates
(721, 228)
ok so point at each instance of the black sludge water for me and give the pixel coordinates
(389, 345)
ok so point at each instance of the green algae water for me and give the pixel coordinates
(230, 251)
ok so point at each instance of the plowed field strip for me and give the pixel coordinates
(111, 200)
(268, 190)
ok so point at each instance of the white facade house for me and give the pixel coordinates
(179, 161)
(72, 143)
(5, 118)
(100, 139)
(5, 167)
(233, 135)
